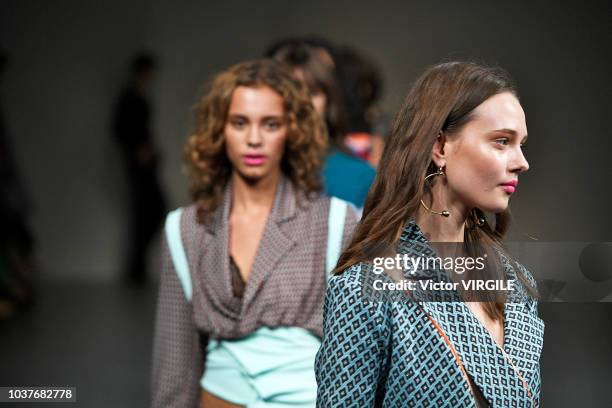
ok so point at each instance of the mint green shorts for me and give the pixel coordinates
(271, 368)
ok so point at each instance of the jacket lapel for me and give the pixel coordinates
(214, 259)
(523, 334)
(275, 242)
(485, 362)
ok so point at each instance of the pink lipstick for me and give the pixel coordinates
(254, 159)
(510, 186)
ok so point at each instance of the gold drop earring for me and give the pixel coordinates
(443, 213)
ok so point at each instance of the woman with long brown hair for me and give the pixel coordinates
(239, 318)
(446, 176)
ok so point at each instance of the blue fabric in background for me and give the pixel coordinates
(347, 177)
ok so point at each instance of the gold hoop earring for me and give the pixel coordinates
(443, 213)
(478, 221)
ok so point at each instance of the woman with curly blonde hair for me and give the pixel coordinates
(239, 317)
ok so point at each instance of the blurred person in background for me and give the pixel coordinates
(345, 175)
(244, 267)
(132, 133)
(361, 86)
(16, 238)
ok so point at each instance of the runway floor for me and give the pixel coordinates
(98, 338)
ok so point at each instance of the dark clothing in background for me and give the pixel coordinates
(16, 238)
(147, 205)
(132, 121)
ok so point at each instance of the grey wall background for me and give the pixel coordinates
(68, 60)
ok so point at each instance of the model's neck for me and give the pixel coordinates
(253, 197)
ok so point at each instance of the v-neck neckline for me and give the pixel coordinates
(412, 231)
(228, 252)
(275, 242)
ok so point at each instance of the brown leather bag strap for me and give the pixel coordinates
(460, 364)
(453, 350)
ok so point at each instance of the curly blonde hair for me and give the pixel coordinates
(208, 166)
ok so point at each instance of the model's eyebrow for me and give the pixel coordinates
(273, 117)
(510, 132)
(505, 130)
(245, 117)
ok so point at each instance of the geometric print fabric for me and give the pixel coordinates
(389, 354)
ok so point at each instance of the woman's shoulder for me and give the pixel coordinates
(189, 212)
(188, 215)
(352, 287)
(519, 273)
(187, 219)
(515, 267)
(349, 307)
(324, 203)
(349, 277)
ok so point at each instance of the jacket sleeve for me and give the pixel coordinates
(177, 357)
(351, 364)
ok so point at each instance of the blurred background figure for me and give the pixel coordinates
(361, 85)
(16, 240)
(132, 133)
(345, 175)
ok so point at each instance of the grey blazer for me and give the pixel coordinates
(286, 287)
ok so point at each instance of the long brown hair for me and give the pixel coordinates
(209, 167)
(442, 99)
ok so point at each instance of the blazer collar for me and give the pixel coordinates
(276, 241)
(491, 368)
(283, 209)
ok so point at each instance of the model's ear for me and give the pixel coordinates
(438, 155)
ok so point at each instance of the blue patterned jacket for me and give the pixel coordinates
(390, 354)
